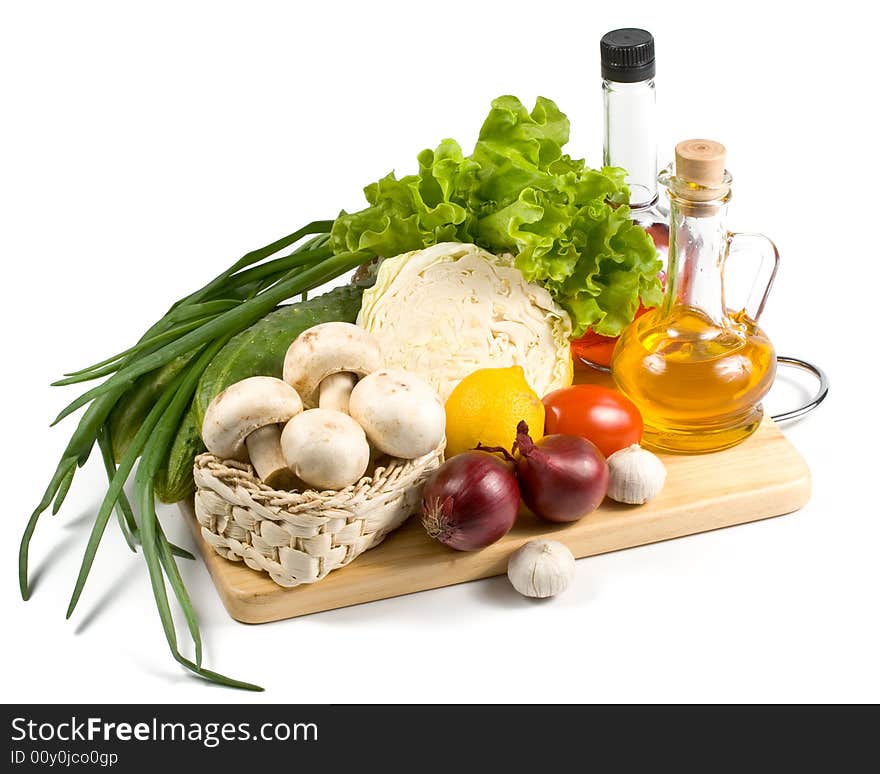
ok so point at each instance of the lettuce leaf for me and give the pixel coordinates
(567, 224)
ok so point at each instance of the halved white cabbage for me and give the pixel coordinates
(452, 308)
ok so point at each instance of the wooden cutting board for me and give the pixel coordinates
(762, 477)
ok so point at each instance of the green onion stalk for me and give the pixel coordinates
(193, 330)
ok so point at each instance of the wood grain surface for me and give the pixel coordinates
(763, 477)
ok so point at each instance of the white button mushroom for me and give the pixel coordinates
(243, 421)
(323, 363)
(326, 449)
(400, 413)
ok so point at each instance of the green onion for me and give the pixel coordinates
(237, 319)
(195, 327)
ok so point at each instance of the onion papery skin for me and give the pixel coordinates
(470, 501)
(562, 477)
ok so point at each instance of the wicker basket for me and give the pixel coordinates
(299, 537)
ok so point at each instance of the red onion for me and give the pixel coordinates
(470, 501)
(562, 477)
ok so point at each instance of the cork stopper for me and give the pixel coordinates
(700, 163)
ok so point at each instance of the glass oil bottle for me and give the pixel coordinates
(696, 369)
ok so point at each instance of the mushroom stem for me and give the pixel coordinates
(264, 449)
(335, 390)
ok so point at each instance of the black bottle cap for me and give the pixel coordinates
(627, 55)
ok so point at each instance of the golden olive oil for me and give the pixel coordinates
(697, 385)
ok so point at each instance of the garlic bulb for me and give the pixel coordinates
(636, 475)
(541, 568)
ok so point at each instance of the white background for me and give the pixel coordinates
(146, 146)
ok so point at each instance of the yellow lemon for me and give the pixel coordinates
(487, 405)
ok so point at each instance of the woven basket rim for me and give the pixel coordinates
(390, 465)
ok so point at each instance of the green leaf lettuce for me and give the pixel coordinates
(567, 224)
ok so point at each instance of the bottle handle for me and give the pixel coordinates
(755, 243)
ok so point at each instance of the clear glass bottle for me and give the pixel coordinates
(696, 369)
(630, 112)
(630, 142)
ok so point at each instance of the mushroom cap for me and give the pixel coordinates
(244, 407)
(400, 413)
(326, 449)
(325, 349)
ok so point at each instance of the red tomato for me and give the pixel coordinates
(605, 417)
(596, 348)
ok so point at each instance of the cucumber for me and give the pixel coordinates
(260, 350)
(127, 416)
(174, 479)
(257, 351)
